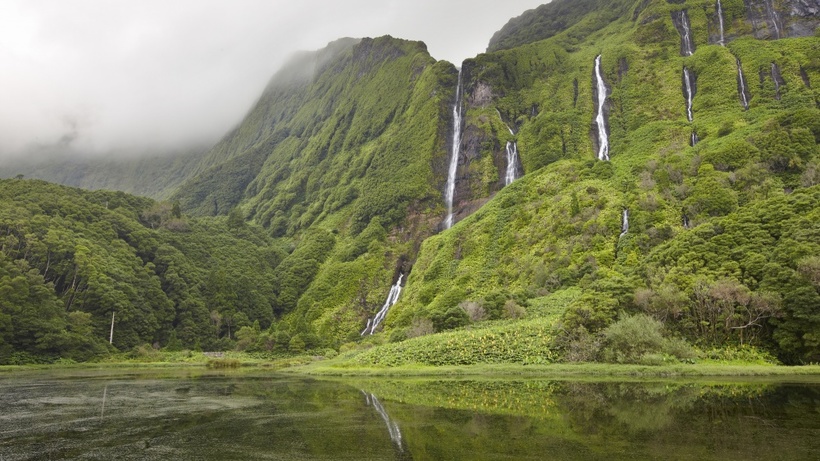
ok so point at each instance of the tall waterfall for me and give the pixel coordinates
(741, 87)
(603, 139)
(720, 19)
(689, 92)
(456, 147)
(624, 223)
(392, 426)
(681, 19)
(392, 298)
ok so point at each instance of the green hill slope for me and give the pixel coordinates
(699, 238)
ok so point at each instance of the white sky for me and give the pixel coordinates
(161, 74)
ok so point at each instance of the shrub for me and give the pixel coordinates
(420, 327)
(474, 311)
(626, 340)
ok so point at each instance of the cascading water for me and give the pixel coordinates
(392, 426)
(720, 19)
(600, 121)
(392, 298)
(741, 87)
(456, 147)
(773, 17)
(681, 19)
(689, 92)
(693, 139)
(512, 160)
(624, 223)
(777, 79)
(686, 224)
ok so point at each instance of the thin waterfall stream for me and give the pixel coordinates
(741, 87)
(600, 121)
(720, 19)
(624, 222)
(450, 193)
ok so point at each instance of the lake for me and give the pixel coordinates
(205, 415)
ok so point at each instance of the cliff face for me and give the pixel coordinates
(772, 19)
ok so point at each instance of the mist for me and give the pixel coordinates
(95, 77)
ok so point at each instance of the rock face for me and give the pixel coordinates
(771, 19)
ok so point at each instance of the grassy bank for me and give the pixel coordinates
(333, 368)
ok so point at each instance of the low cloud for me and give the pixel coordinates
(103, 77)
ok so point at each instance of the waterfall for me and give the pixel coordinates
(512, 157)
(741, 87)
(687, 44)
(690, 89)
(720, 19)
(456, 146)
(624, 223)
(686, 224)
(778, 80)
(392, 426)
(603, 139)
(512, 160)
(392, 298)
(693, 139)
(773, 18)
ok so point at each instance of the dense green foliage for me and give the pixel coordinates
(69, 259)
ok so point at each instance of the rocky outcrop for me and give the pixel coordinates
(771, 19)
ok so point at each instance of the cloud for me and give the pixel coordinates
(126, 76)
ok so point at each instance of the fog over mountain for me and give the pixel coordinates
(93, 76)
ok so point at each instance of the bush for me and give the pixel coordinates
(640, 339)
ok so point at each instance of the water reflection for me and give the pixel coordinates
(263, 416)
(392, 426)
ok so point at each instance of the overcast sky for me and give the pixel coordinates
(104, 75)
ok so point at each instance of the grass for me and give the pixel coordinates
(334, 368)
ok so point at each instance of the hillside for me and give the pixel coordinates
(691, 221)
(649, 167)
(69, 259)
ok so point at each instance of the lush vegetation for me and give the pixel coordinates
(71, 259)
(332, 186)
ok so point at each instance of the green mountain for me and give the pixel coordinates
(632, 164)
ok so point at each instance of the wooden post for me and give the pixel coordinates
(111, 336)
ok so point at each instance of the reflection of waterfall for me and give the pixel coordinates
(720, 19)
(624, 222)
(392, 426)
(392, 297)
(600, 121)
(687, 44)
(456, 146)
(689, 92)
(741, 87)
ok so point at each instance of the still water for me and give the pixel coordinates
(200, 415)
